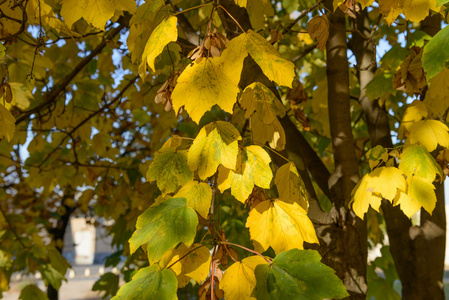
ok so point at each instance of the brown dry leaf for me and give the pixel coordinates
(319, 30)
(411, 77)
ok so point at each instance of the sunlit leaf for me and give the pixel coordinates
(420, 193)
(281, 225)
(290, 185)
(436, 53)
(415, 112)
(170, 170)
(215, 144)
(429, 133)
(437, 96)
(298, 274)
(198, 196)
(150, 283)
(163, 227)
(239, 280)
(417, 161)
(253, 168)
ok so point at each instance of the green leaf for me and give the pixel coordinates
(298, 274)
(198, 196)
(417, 161)
(108, 283)
(442, 2)
(169, 168)
(203, 85)
(381, 84)
(150, 283)
(7, 123)
(215, 144)
(163, 227)
(164, 33)
(51, 276)
(32, 292)
(436, 53)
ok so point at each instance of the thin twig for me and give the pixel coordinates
(247, 249)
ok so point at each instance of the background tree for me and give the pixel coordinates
(228, 135)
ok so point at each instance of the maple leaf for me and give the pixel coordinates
(415, 112)
(215, 144)
(198, 196)
(429, 133)
(290, 185)
(188, 263)
(253, 168)
(239, 280)
(7, 123)
(298, 274)
(281, 225)
(417, 161)
(203, 85)
(417, 10)
(420, 193)
(170, 170)
(319, 30)
(95, 12)
(165, 226)
(164, 33)
(437, 96)
(436, 53)
(31, 291)
(150, 283)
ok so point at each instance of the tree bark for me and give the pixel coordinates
(418, 251)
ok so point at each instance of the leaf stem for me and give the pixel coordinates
(238, 24)
(247, 249)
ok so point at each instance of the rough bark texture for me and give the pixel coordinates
(418, 251)
(346, 253)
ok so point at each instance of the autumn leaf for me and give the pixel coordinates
(203, 85)
(437, 96)
(170, 170)
(417, 161)
(150, 283)
(298, 274)
(7, 123)
(253, 168)
(31, 291)
(215, 144)
(239, 280)
(290, 185)
(420, 193)
(273, 133)
(188, 263)
(198, 196)
(415, 112)
(264, 54)
(416, 11)
(436, 53)
(281, 225)
(319, 30)
(164, 33)
(164, 226)
(429, 133)
(95, 12)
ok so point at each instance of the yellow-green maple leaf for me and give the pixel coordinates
(417, 10)
(429, 133)
(164, 33)
(95, 12)
(188, 262)
(415, 112)
(7, 123)
(437, 96)
(264, 54)
(281, 225)
(420, 193)
(383, 182)
(215, 144)
(198, 196)
(239, 280)
(170, 170)
(253, 168)
(290, 185)
(417, 161)
(203, 85)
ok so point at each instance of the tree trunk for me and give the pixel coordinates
(418, 251)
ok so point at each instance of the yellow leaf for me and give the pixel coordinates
(21, 96)
(290, 185)
(415, 112)
(281, 225)
(366, 3)
(383, 182)
(241, 3)
(253, 168)
(188, 262)
(7, 123)
(258, 11)
(420, 193)
(264, 54)
(203, 85)
(215, 144)
(257, 97)
(417, 161)
(418, 10)
(390, 9)
(337, 3)
(198, 196)
(429, 133)
(95, 12)
(319, 30)
(437, 96)
(239, 280)
(164, 33)
(272, 133)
